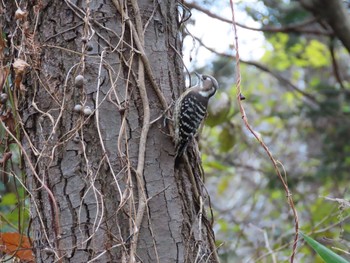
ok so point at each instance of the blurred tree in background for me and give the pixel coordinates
(298, 100)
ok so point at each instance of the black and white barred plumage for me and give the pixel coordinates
(190, 110)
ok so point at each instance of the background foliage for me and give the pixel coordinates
(298, 101)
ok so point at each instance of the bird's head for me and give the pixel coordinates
(208, 85)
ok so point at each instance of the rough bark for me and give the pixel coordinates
(335, 14)
(95, 195)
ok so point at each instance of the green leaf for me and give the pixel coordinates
(317, 54)
(326, 254)
(223, 185)
(276, 195)
(227, 139)
(223, 225)
(346, 108)
(289, 98)
(216, 165)
(9, 199)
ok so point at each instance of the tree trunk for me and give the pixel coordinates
(100, 175)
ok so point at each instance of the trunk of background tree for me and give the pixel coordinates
(102, 186)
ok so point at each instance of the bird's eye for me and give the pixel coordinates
(204, 77)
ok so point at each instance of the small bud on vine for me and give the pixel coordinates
(79, 81)
(89, 47)
(78, 108)
(76, 138)
(3, 98)
(87, 111)
(241, 96)
(20, 14)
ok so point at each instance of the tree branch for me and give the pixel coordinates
(265, 69)
(335, 65)
(335, 14)
(293, 28)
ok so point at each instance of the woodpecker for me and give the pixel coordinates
(190, 110)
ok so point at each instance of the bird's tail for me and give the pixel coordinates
(180, 149)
